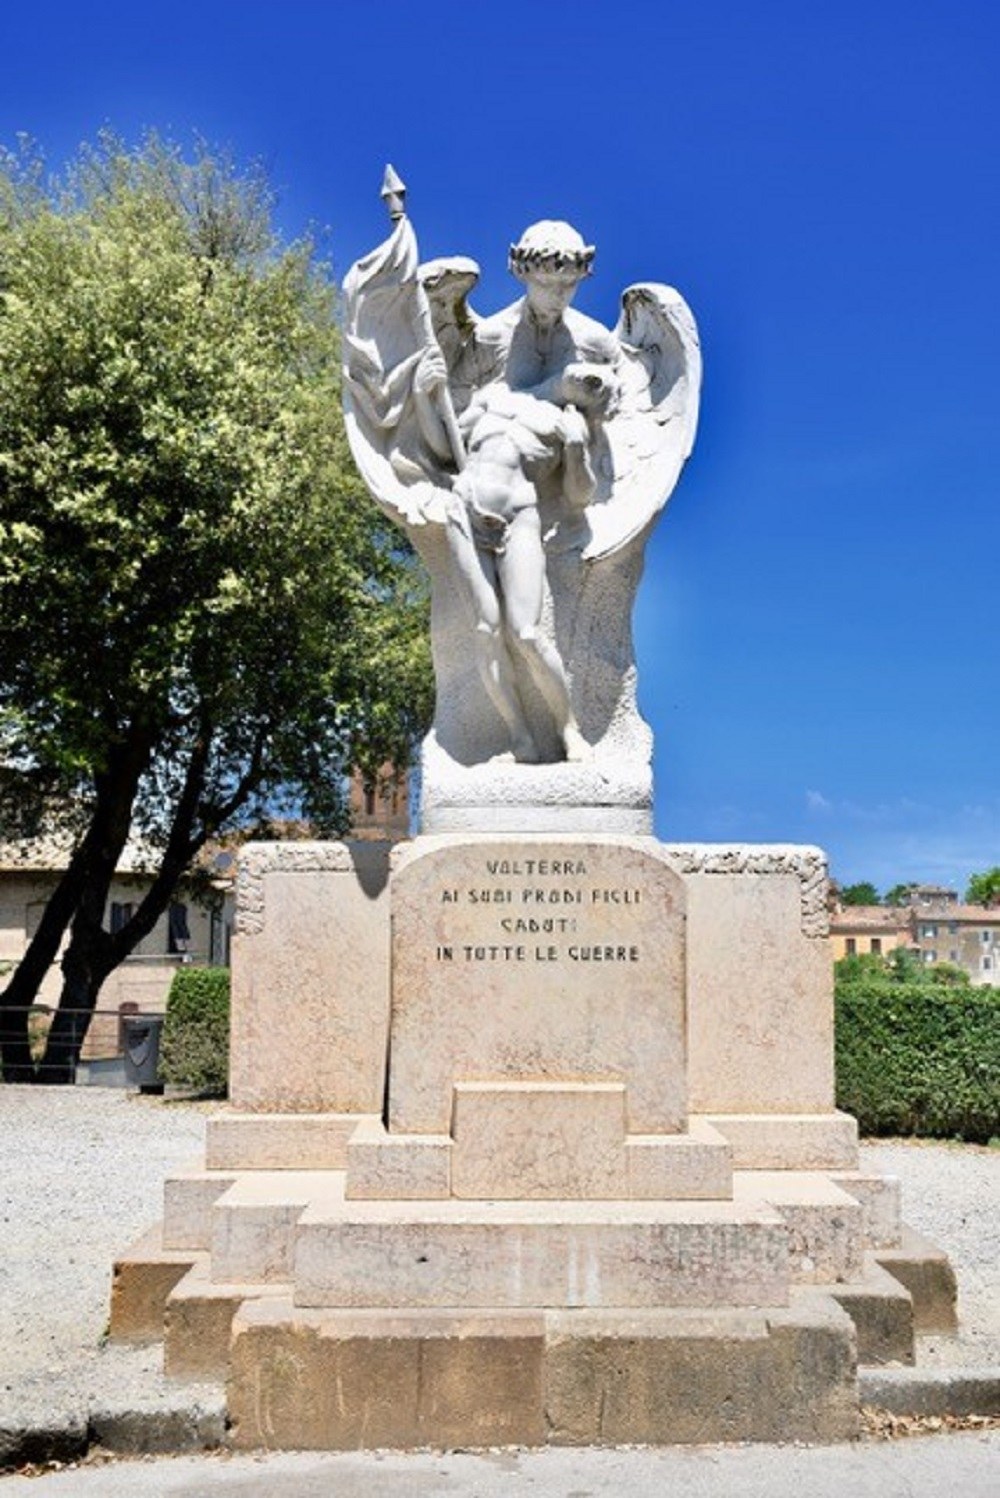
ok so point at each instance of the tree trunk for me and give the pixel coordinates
(93, 953)
(22, 990)
(79, 899)
(85, 967)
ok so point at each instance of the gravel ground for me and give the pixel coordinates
(951, 1194)
(83, 1172)
(82, 1176)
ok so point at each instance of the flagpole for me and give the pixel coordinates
(394, 196)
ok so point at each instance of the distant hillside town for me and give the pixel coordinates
(927, 920)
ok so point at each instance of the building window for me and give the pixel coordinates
(952, 927)
(219, 939)
(928, 932)
(850, 946)
(178, 931)
(987, 964)
(953, 955)
(930, 956)
(121, 914)
(877, 945)
(987, 937)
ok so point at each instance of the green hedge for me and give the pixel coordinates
(195, 1049)
(919, 1058)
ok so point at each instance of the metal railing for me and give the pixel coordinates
(97, 1035)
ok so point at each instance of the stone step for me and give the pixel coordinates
(694, 1166)
(825, 1225)
(188, 1198)
(511, 1162)
(196, 1324)
(280, 1141)
(397, 1167)
(789, 1141)
(880, 1198)
(882, 1312)
(925, 1271)
(537, 1140)
(540, 1254)
(404, 1379)
(142, 1279)
(254, 1221)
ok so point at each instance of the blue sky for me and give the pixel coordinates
(816, 630)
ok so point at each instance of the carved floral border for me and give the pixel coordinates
(258, 859)
(807, 864)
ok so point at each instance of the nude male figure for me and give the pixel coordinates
(521, 451)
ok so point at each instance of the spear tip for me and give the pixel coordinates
(394, 193)
(392, 182)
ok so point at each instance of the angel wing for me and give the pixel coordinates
(386, 332)
(652, 433)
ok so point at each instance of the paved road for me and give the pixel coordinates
(967, 1465)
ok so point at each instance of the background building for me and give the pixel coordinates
(966, 935)
(858, 929)
(189, 931)
(932, 924)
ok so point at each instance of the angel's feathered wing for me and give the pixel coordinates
(652, 433)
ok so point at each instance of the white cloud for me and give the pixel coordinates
(816, 801)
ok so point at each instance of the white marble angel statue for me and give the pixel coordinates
(527, 455)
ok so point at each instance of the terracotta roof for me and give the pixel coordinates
(872, 918)
(966, 915)
(50, 855)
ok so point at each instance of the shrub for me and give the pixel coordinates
(195, 1047)
(919, 1058)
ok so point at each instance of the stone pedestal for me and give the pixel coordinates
(532, 1140)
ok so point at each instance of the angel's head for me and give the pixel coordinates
(447, 282)
(551, 259)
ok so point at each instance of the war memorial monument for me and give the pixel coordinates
(532, 1134)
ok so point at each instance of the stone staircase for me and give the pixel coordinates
(346, 1254)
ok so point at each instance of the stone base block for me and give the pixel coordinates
(540, 1254)
(610, 795)
(142, 1279)
(279, 1141)
(197, 1323)
(825, 1237)
(538, 1140)
(925, 1271)
(189, 1197)
(397, 1167)
(789, 1141)
(682, 1377)
(337, 1379)
(310, 978)
(696, 1166)
(882, 1312)
(349, 1380)
(254, 1222)
(880, 1200)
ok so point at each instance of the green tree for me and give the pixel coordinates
(858, 966)
(984, 889)
(899, 894)
(948, 975)
(905, 966)
(859, 894)
(200, 611)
